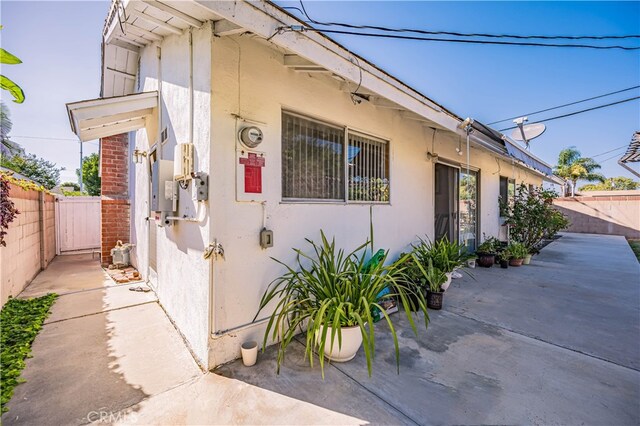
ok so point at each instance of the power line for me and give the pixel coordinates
(610, 158)
(458, 34)
(44, 137)
(52, 139)
(579, 112)
(452, 40)
(566, 105)
(606, 152)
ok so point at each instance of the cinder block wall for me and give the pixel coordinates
(610, 212)
(31, 241)
(114, 172)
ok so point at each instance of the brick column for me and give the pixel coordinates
(114, 163)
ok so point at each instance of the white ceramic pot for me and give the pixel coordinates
(527, 260)
(249, 353)
(447, 283)
(351, 342)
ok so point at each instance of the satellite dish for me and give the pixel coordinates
(527, 132)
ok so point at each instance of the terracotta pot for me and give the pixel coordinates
(351, 342)
(516, 262)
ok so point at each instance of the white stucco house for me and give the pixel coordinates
(289, 132)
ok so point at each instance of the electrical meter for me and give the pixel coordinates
(251, 137)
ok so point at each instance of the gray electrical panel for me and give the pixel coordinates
(163, 188)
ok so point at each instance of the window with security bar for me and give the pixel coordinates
(315, 157)
(312, 159)
(368, 168)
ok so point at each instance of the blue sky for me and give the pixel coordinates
(59, 43)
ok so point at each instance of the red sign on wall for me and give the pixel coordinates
(253, 173)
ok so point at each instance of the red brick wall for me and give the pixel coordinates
(114, 162)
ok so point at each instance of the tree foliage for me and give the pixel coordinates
(6, 83)
(612, 184)
(90, 177)
(531, 216)
(573, 167)
(35, 168)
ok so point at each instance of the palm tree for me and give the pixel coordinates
(573, 167)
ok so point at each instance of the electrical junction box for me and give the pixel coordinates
(183, 161)
(201, 187)
(163, 188)
(266, 238)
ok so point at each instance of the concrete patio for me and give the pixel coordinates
(555, 342)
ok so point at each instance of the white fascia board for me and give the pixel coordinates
(264, 19)
(96, 112)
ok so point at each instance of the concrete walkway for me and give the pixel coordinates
(555, 342)
(102, 349)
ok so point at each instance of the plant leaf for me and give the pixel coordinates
(8, 58)
(14, 89)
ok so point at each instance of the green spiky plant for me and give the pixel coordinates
(332, 289)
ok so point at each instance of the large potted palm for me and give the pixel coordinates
(329, 296)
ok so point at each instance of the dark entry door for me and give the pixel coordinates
(446, 202)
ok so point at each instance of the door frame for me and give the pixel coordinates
(460, 167)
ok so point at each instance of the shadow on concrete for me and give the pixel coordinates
(102, 349)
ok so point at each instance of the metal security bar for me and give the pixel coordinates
(312, 159)
(368, 169)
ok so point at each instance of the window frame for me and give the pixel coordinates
(346, 131)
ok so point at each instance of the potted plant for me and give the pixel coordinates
(332, 293)
(517, 252)
(445, 255)
(504, 258)
(434, 278)
(487, 252)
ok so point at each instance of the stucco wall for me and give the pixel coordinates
(182, 277)
(30, 239)
(259, 92)
(603, 212)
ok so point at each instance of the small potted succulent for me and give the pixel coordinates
(487, 252)
(517, 252)
(435, 278)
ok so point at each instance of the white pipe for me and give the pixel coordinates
(190, 86)
(200, 216)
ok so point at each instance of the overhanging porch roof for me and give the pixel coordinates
(99, 118)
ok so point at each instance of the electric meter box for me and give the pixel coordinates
(163, 200)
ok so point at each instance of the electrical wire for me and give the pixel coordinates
(565, 105)
(451, 40)
(458, 34)
(610, 158)
(606, 152)
(578, 112)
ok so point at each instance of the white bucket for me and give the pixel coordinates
(249, 353)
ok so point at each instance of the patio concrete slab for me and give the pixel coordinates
(68, 273)
(582, 292)
(555, 342)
